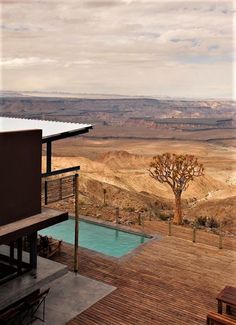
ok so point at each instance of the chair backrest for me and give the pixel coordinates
(41, 296)
(219, 319)
(44, 241)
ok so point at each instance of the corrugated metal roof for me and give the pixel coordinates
(49, 128)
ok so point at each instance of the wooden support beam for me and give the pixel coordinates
(11, 252)
(49, 157)
(19, 256)
(46, 192)
(33, 250)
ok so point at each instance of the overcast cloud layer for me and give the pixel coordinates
(157, 48)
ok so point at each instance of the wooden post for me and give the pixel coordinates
(220, 307)
(139, 219)
(49, 157)
(33, 253)
(46, 192)
(194, 234)
(76, 223)
(60, 188)
(142, 221)
(220, 238)
(33, 250)
(104, 196)
(11, 252)
(169, 227)
(117, 214)
(19, 256)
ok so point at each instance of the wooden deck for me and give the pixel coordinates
(167, 281)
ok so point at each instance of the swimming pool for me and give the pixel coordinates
(106, 240)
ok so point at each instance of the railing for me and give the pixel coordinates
(55, 188)
(142, 220)
(194, 234)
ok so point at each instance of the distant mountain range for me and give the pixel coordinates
(61, 94)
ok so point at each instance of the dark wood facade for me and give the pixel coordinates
(20, 194)
(20, 166)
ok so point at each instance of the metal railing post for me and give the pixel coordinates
(117, 214)
(76, 223)
(220, 238)
(139, 219)
(142, 222)
(169, 227)
(194, 234)
(46, 192)
(60, 188)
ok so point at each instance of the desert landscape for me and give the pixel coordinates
(130, 106)
(115, 155)
(123, 173)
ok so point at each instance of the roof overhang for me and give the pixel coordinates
(51, 130)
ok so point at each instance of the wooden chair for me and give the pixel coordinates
(26, 310)
(32, 307)
(214, 318)
(48, 246)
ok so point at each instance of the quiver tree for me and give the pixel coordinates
(177, 171)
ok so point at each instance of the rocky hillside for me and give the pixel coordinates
(127, 184)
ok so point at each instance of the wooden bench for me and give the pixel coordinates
(214, 318)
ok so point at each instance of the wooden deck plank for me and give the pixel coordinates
(167, 281)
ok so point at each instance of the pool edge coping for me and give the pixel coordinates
(120, 227)
(115, 226)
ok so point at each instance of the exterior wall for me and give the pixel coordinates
(20, 181)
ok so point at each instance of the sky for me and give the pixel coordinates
(129, 47)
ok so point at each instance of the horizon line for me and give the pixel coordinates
(52, 92)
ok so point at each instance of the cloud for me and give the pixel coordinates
(24, 62)
(78, 62)
(103, 41)
(213, 47)
(6, 2)
(102, 3)
(20, 28)
(13, 28)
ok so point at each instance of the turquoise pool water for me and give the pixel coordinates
(102, 239)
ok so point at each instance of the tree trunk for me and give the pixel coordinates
(178, 210)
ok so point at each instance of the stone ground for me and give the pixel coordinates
(70, 295)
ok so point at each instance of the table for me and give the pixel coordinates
(227, 296)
